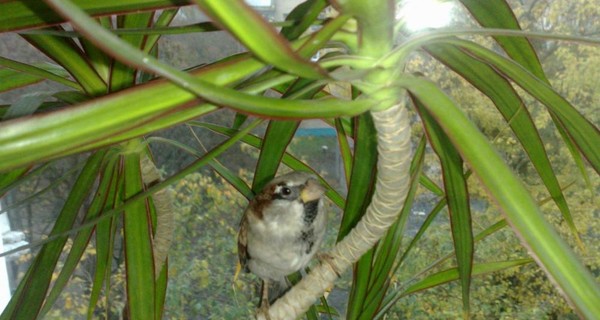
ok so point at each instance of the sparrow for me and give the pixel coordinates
(281, 230)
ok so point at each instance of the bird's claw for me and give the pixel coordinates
(328, 259)
(264, 310)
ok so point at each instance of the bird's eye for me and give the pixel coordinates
(286, 191)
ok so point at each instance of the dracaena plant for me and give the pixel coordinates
(108, 58)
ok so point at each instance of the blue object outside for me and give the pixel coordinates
(315, 132)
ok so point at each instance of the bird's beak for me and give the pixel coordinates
(312, 191)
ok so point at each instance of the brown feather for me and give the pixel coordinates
(261, 200)
(255, 208)
(243, 243)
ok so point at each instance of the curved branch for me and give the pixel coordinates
(393, 138)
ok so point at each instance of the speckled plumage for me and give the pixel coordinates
(283, 227)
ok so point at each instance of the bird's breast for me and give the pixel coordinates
(284, 242)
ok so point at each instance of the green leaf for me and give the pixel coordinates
(105, 232)
(363, 173)
(344, 145)
(163, 20)
(431, 216)
(274, 144)
(28, 14)
(66, 53)
(581, 130)
(457, 196)
(449, 275)
(302, 17)
(263, 41)
(103, 119)
(360, 191)
(82, 239)
(121, 75)
(35, 174)
(502, 94)
(31, 292)
(216, 94)
(114, 119)
(139, 262)
(99, 60)
(233, 179)
(71, 97)
(498, 14)
(430, 185)
(23, 74)
(161, 291)
(11, 79)
(522, 213)
(392, 298)
(7, 180)
(279, 134)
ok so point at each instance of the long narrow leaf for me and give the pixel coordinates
(498, 14)
(363, 173)
(116, 111)
(32, 73)
(452, 274)
(121, 75)
(302, 17)
(137, 227)
(499, 90)
(163, 20)
(28, 14)
(33, 195)
(212, 154)
(360, 190)
(457, 196)
(105, 232)
(581, 130)
(25, 106)
(238, 18)
(66, 53)
(136, 112)
(82, 239)
(11, 79)
(161, 291)
(9, 179)
(344, 145)
(30, 295)
(545, 245)
(278, 136)
(233, 179)
(98, 59)
(216, 94)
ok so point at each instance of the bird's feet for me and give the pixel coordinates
(263, 310)
(264, 302)
(325, 257)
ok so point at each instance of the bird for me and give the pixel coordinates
(281, 230)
